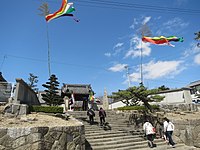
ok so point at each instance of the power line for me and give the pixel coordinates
(3, 62)
(131, 6)
(57, 62)
(139, 6)
(94, 67)
(168, 81)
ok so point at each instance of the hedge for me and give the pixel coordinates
(46, 109)
(154, 107)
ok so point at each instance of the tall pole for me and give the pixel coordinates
(127, 74)
(141, 59)
(144, 31)
(44, 9)
(49, 64)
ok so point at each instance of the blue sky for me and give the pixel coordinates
(96, 50)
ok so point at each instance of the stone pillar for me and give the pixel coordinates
(66, 105)
(105, 101)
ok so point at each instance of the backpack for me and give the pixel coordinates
(150, 130)
(91, 113)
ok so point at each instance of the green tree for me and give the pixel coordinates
(197, 35)
(134, 95)
(32, 82)
(51, 96)
(163, 88)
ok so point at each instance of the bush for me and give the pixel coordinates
(154, 107)
(46, 109)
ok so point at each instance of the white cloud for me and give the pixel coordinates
(135, 48)
(118, 68)
(135, 77)
(135, 22)
(180, 2)
(140, 21)
(197, 59)
(108, 54)
(146, 20)
(118, 45)
(154, 70)
(193, 49)
(117, 49)
(159, 69)
(175, 24)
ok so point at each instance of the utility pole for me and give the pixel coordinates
(127, 74)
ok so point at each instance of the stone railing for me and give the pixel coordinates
(43, 138)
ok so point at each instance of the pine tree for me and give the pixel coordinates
(197, 35)
(32, 82)
(51, 96)
(134, 95)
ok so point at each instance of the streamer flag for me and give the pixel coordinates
(162, 40)
(65, 10)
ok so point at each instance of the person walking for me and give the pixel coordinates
(102, 116)
(168, 129)
(150, 133)
(91, 115)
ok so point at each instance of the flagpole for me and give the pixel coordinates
(49, 65)
(44, 9)
(141, 59)
(127, 74)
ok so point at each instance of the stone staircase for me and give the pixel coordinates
(118, 134)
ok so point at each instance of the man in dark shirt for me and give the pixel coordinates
(91, 115)
(102, 115)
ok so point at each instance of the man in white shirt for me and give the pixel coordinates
(149, 131)
(168, 129)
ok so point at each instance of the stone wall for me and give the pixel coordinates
(24, 94)
(180, 107)
(188, 132)
(43, 138)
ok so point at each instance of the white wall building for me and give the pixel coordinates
(176, 96)
(116, 105)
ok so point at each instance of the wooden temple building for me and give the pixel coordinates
(78, 95)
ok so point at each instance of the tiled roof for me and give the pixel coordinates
(77, 88)
(2, 78)
(195, 83)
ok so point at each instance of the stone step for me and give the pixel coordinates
(122, 135)
(97, 130)
(110, 126)
(127, 137)
(179, 146)
(160, 146)
(116, 140)
(121, 145)
(107, 135)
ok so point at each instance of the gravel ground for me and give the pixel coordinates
(183, 115)
(36, 120)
